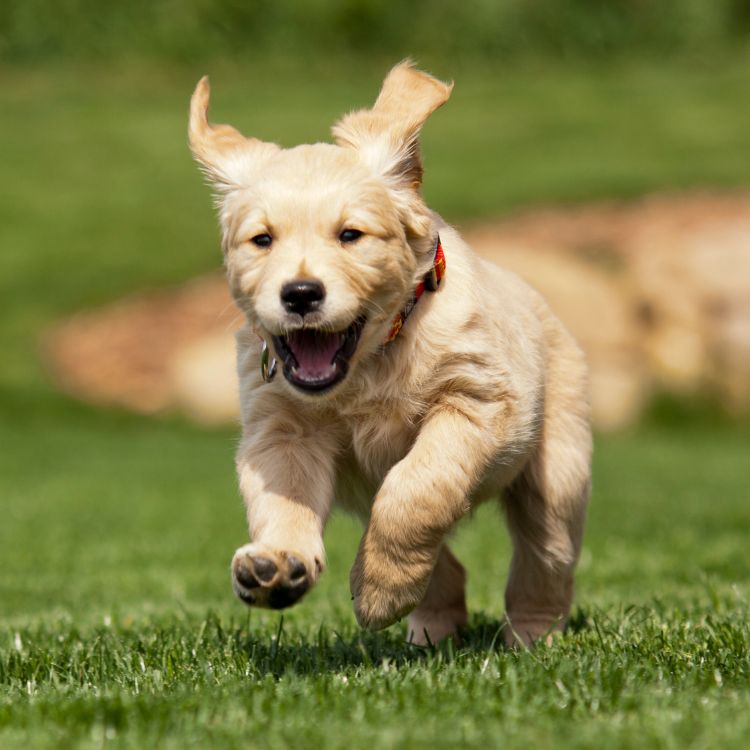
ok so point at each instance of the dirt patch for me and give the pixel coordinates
(657, 291)
(136, 352)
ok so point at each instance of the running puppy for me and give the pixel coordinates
(385, 365)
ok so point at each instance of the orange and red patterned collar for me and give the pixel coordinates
(429, 283)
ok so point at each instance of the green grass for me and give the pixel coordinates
(429, 29)
(481, 31)
(118, 622)
(117, 625)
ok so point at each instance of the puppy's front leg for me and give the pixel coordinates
(420, 499)
(286, 478)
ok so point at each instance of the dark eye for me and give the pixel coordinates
(262, 240)
(350, 235)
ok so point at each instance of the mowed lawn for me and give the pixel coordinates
(117, 623)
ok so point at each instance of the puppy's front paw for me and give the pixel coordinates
(385, 588)
(263, 577)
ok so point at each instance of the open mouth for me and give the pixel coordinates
(316, 360)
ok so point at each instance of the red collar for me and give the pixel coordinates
(430, 283)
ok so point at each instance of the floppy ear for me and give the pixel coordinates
(387, 136)
(225, 155)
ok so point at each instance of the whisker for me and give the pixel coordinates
(232, 323)
(369, 305)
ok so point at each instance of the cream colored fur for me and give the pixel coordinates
(482, 395)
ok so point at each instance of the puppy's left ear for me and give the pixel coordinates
(387, 136)
(226, 156)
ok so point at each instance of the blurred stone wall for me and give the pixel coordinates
(656, 291)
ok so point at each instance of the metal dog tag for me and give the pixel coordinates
(267, 364)
(431, 281)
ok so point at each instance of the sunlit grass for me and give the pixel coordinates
(118, 622)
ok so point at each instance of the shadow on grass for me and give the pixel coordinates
(334, 651)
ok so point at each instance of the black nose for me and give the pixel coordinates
(302, 296)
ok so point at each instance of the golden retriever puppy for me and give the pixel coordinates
(385, 365)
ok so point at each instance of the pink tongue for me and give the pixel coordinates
(314, 352)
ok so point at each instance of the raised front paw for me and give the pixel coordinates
(386, 585)
(263, 577)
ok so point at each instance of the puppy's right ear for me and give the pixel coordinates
(226, 156)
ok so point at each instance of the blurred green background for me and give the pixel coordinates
(480, 31)
(130, 521)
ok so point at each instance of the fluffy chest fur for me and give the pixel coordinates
(380, 433)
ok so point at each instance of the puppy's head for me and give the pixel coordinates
(323, 243)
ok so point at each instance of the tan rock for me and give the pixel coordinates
(203, 379)
(597, 308)
(694, 282)
(657, 291)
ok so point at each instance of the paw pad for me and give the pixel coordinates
(264, 569)
(269, 579)
(297, 568)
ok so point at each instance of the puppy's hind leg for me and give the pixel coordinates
(442, 612)
(545, 507)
